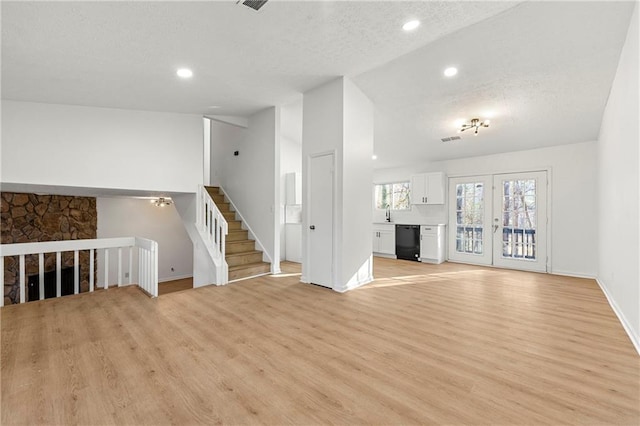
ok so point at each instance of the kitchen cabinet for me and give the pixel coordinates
(432, 241)
(428, 188)
(384, 239)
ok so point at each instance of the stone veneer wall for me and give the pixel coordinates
(33, 218)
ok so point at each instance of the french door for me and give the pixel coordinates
(499, 220)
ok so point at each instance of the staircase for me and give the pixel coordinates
(241, 255)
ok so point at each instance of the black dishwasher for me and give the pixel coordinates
(408, 242)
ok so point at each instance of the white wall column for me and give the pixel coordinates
(338, 117)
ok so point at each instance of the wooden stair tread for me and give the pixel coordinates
(244, 253)
(248, 266)
(238, 242)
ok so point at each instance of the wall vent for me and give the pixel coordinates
(254, 4)
(451, 138)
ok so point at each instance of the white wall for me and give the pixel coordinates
(619, 188)
(338, 117)
(357, 175)
(573, 201)
(127, 217)
(78, 146)
(290, 162)
(250, 178)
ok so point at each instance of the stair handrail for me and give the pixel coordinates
(214, 228)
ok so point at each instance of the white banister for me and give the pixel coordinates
(76, 272)
(22, 278)
(147, 262)
(92, 260)
(119, 266)
(106, 270)
(40, 275)
(213, 228)
(58, 274)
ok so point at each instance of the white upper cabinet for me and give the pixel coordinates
(427, 188)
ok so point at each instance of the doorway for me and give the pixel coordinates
(499, 220)
(320, 231)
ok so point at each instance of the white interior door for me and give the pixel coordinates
(470, 220)
(321, 183)
(520, 221)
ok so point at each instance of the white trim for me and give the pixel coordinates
(388, 256)
(178, 277)
(573, 275)
(635, 340)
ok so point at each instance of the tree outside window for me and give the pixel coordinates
(394, 196)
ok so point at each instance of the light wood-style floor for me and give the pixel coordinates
(175, 285)
(423, 344)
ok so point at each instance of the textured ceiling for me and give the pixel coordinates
(541, 72)
(124, 54)
(544, 69)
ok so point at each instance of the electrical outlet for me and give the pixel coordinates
(126, 275)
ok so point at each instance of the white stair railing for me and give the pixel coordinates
(213, 229)
(147, 251)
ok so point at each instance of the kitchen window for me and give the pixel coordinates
(394, 196)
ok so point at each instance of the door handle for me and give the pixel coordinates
(495, 228)
(312, 227)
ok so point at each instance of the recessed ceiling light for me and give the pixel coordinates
(411, 25)
(374, 157)
(214, 106)
(184, 73)
(450, 72)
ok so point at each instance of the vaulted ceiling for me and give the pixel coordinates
(542, 70)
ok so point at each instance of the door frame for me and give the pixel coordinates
(547, 169)
(306, 217)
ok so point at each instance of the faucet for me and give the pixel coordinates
(388, 214)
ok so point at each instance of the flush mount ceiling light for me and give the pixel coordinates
(475, 124)
(411, 25)
(184, 73)
(450, 72)
(374, 157)
(162, 201)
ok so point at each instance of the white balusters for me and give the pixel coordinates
(92, 260)
(76, 272)
(147, 263)
(58, 274)
(40, 275)
(21, 278)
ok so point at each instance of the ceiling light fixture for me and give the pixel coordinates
(184, 73)
(475, 124)
(162, 201)
(450, 72)
(411, 25)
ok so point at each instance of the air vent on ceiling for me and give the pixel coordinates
(452, 138)
(254, 4)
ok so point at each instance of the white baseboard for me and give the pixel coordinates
(388, 256)
(177, 277)
(572, 274)
(635, 340)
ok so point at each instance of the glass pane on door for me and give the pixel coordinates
(469, 217)
(519, 219)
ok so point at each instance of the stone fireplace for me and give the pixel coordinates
(29, 218)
